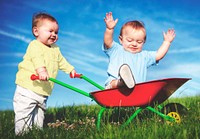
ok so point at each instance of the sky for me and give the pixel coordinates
(81, 30)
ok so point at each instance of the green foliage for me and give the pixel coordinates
(78, 122)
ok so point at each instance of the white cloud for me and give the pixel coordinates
(89, 67)
(87, 56)
(18, 29)
(87, 61)
(15, 36)
(195, 85)
(190, 22)
(184, 70)
(189, 69)
(9, 64)
(12, 54)
(192, 49)
(74, 41)
(178, 70)
(8, 56)
(72, 34)
(6, 99)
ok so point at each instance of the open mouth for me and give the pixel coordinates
(52, 39)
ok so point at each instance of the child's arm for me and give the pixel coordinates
(168, 38)
(110, 24)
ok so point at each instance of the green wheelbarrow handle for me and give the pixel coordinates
(35, 77)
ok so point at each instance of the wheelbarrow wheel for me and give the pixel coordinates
(176, 116)
(176, 111)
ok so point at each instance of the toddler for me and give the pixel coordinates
(128, 63)
(43, 58)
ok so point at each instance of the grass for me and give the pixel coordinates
(78, 122)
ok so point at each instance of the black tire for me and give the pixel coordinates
(179, 110)
(174, 107)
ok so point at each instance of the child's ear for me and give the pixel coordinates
(120, 39)
(35, 31)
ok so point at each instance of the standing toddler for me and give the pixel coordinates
(43, 58)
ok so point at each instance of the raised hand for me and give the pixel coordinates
(169, 35)
(110, 22)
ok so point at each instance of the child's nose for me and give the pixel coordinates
(134, 43)
(53, 33)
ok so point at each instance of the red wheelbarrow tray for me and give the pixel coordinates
(143, 94)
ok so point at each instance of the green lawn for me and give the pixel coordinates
(79, 122)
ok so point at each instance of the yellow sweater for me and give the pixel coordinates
(38, 55)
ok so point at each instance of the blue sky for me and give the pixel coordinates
(80, 38)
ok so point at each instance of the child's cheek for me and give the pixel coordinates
(126, 44)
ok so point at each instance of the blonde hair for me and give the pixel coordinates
(137, 25)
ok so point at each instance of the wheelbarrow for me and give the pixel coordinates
(144, 95)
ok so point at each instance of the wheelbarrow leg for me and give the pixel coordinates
(99, 117)
(166, 117)
(132, 117)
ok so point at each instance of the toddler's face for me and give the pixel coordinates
(132, 40)
(47, 32)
